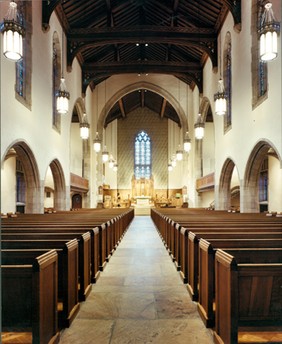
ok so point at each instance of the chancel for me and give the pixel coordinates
(141, 171)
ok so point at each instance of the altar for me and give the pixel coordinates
(143, 200)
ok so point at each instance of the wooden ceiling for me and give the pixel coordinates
(111, 37)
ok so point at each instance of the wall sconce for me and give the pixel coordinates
(199, 128)
(269, 29)
(97, 143)
(13, 32)
(187, 142)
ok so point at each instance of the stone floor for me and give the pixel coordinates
(139, 298)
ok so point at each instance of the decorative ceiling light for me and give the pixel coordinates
(220, 99)
(187, 142)
(97, 143)
(84, 127)
(111, 162)
(269, 29)
(62, 94)
(105, 155)
(84, 130)
(179, 153)
(199, 128)
(173, 161)
(13, 32)
(169, 167)
(115, 168)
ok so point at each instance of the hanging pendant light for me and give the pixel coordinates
(105, 155)
(84, 126)
(179, 154)
(115, 168)
(84, 130)
(199, 128)
(97, 143)
(187, 143)
(220, 100)
(62, 94)
(173, 161)
(13, 32)
(111, 162)
(268, 32)
(169, 167)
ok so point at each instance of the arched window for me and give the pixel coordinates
(23, 66)
(227, 74)
(142, 156)
(56, 79)
(259, 68)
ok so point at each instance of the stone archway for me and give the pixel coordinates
(249, 197)
(60, 201)
(136, 86)
(224, 190)
(33, 192)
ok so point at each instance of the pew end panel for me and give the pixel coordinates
(226, 299)
(206, 282)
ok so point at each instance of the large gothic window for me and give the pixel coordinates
(259, 68)
(23, 66)
(56, 79)
(142, 156)
(227, 74)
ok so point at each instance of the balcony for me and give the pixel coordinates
(205, 183)
(78, 184)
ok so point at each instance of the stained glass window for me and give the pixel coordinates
(142, 156)
(56, 79)
(228, 80)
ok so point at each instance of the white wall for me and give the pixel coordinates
(8, 186)
(274, 184)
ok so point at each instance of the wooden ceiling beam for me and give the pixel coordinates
(121, 106)
(163, 108)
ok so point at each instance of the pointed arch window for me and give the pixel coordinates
(23, 66)
(259, 68)
(56, 79)
(142, 156)
(227, 74)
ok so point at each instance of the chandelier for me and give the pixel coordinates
(268, 32)
(187, 142)
(199, 128)
(220, 100)
(13, 32)
(97, 143)
(62, 94)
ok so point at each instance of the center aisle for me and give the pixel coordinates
(139, 298)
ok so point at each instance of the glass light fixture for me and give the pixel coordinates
(220, 99)
(105, 155)
(199, 128)
(187, 142)
(111, 162)
(115, 168)
(173, 161)
(84, 130)
(268, 32)
(179, 154)
(97, 143)
(62, 94)
(169, 167)
(13, 32)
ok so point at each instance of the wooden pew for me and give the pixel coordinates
(207, 272)
(68, 305)
(246, 295)
(45, 242)
(29, 298)
(247, 240)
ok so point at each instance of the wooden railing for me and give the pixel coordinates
(205, 183)
(78, 183)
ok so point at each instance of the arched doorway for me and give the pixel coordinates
(76, 201)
